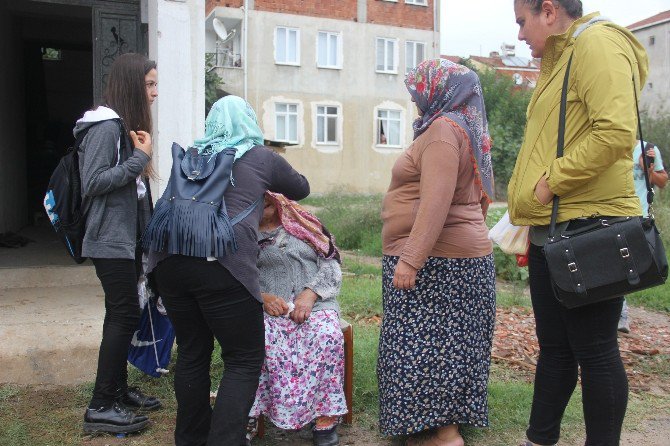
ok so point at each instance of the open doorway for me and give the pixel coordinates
(47, 84)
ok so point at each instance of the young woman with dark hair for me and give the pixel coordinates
(114, 160)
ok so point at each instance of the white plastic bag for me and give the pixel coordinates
(511, 239)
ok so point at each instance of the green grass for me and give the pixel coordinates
(506, 299)
(361, 297)
(657, 299)
(366, 395)
(658, 366)
(358, 267)
(14, 433)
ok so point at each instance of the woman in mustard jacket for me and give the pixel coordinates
(593, 179)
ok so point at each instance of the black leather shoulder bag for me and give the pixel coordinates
(610, 257)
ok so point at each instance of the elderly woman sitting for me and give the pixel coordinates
(300, 277)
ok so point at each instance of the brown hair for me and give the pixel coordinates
(126, 94)
(573, 8)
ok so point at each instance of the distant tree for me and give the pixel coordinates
(506, 106)
(212, 83)
(656, 129)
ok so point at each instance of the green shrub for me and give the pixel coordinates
(354, 220)
(212, 82)
(506, 106)
(656, 129)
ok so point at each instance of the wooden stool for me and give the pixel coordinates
(348, 332)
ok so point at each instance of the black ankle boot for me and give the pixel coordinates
(113, 419)
(325, 437)
(136, 400)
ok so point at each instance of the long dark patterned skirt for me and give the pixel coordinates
(435, 345)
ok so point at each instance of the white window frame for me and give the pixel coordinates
(414, 44)
(323, 116)
(287, 122)
(378, 127)
(288, 30)
(417, 2)
(385, 41)
(338, 51)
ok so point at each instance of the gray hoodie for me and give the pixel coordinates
(110, 187)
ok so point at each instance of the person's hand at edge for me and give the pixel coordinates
(405, 276)
(304, 303)
(142, 141)
(542, 192)
(274, 305)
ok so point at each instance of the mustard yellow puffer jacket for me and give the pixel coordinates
(594, 177)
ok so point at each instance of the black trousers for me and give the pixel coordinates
(118, 278)
(204, 301)
(584, 338)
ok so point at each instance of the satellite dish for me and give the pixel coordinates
(518, 79)
(222, 32)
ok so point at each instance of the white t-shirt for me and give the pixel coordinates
(638, 175)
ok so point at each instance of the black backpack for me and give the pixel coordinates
(191, 218)
(63, 201)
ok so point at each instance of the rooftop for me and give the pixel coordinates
(657, 19)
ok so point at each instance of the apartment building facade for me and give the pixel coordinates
(326, 77)
(654, 34)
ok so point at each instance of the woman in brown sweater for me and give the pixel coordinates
(438, 271)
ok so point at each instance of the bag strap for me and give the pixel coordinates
(561, 141)
(242, 215)
(560, 145)
(647, 181)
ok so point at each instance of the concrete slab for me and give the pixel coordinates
(51, 312)
(50, 335)
(47, 277)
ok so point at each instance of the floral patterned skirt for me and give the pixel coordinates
(435, 345)
(303, 373)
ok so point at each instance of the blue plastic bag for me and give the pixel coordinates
(151, 347)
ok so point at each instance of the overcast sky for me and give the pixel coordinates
(477, 27)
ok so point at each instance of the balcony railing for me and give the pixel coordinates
(226, 58)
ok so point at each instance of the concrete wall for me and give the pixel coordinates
(13, 195)
(177, 44)
(655, 96)
(357, 164)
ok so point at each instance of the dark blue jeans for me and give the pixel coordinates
(584, 338)
(204, 301)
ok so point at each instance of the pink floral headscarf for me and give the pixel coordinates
(302, 224)
(442, 88)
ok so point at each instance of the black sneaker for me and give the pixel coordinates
(114, 419)
(325, 437)
(136, 400)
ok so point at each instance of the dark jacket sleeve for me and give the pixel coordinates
(97, 162)
(286, 180)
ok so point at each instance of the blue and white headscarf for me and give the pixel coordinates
(231, 122)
